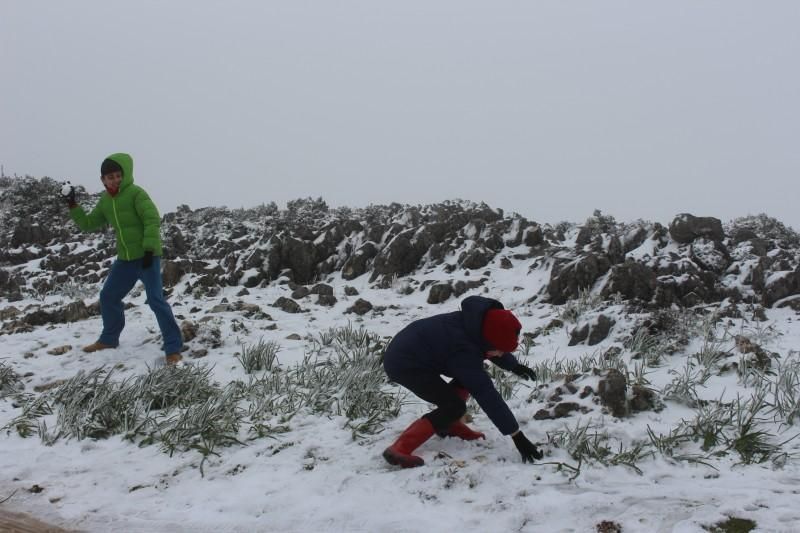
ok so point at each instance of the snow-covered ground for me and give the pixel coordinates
(316, 477)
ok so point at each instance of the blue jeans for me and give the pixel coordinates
(120, 281)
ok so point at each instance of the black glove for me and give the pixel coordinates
(68, 194)
(526, 448)
(524, 372)
(147, 260)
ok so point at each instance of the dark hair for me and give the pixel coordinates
(109, 166)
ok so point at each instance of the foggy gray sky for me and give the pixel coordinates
(550, 109)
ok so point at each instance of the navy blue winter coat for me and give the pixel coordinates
(451, 344)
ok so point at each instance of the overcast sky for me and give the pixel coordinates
(550, 109)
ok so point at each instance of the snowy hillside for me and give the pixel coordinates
(667, 398)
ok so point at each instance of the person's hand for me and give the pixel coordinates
(147, 260)
(524, 372)
(526, 448)
(68, 194)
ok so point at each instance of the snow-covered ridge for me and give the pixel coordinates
(697, 259)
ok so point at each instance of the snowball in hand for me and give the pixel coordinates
(66, 189)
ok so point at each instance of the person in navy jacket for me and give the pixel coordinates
(455, 345)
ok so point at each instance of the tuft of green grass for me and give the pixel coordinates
(10, 382)
(259, 356)
(732, 525)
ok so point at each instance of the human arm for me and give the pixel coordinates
(93, 221)
(151, 221)
(471, 374)
(508, 362)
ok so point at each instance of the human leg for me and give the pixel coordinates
(121, 279)
(459, 428)
(449, 408)
(170, 332)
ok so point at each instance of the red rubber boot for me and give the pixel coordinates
(462, 431)
(400, 453)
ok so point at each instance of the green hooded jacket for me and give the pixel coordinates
(131, 213)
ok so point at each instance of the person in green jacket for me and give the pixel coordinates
(135, 219)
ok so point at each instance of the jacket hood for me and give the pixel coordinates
(473, 308)
(126, 162)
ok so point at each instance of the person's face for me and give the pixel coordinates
(112, 180)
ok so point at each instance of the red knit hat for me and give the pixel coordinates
(501, 328)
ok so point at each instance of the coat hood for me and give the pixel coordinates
(126, 162)
(473, 308)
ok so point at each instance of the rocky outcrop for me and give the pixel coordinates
(685, 228)
(593, 332)
(693, 262)
(568, 279)
(72, 312)
(780, 285)
(358, 264)
(632, 280)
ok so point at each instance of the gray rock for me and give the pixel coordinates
(60, 350)
(461, 286)
(322, 289)
(361, 307)
(357, 264)
(287, 305)
(171, 273)
(599, 329)
(631, 280)
(476, 258)
(439, 293)
(533, 236)
(75, 311)
(593, 332)
(9, 284)
(198, 353)
(188, 330)
(328, 300)
(780, 285)
(792, 303)
(584, 236)
(579, 334)
(251, 310)
(643, 399)
(300, 256)
(300, 292)
(615, 252)
(612, 390)
(28, 232)
(567, 280)
(633, 239)
(9, 312)
(710, 255)
(564, 409)
(399, 258)
(685, 228)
